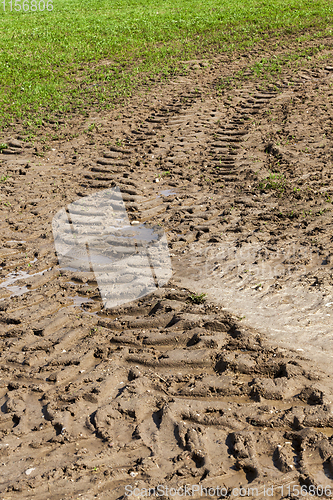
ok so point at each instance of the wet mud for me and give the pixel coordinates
(223, 376)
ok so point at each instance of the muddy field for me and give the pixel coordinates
(232, 391)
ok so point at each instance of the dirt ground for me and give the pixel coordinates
(233, 392)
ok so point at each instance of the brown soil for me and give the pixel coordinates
(234, 392)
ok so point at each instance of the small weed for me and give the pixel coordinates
(3, 178)
(198, 298)
(164, 174)
(273, 181)
(3, 146)
(307, 213)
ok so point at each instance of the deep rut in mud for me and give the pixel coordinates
(163, 390)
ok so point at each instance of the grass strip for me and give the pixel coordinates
(84, 54)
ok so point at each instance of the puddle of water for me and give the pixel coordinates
(141, 233)
(94, 234)
(166, 192)
(78, 301)
(11, 278)
(91, 313)
(17, 290)
(328, 431)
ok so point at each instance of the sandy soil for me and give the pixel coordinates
(234, 392)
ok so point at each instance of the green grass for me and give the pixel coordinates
(3, 178)
(274, 181)
(198, 298)
(269, 69)
(90, 53)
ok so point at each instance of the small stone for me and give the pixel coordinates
(329, 68)
(29, 471)
(14, 143)
(305, 77)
